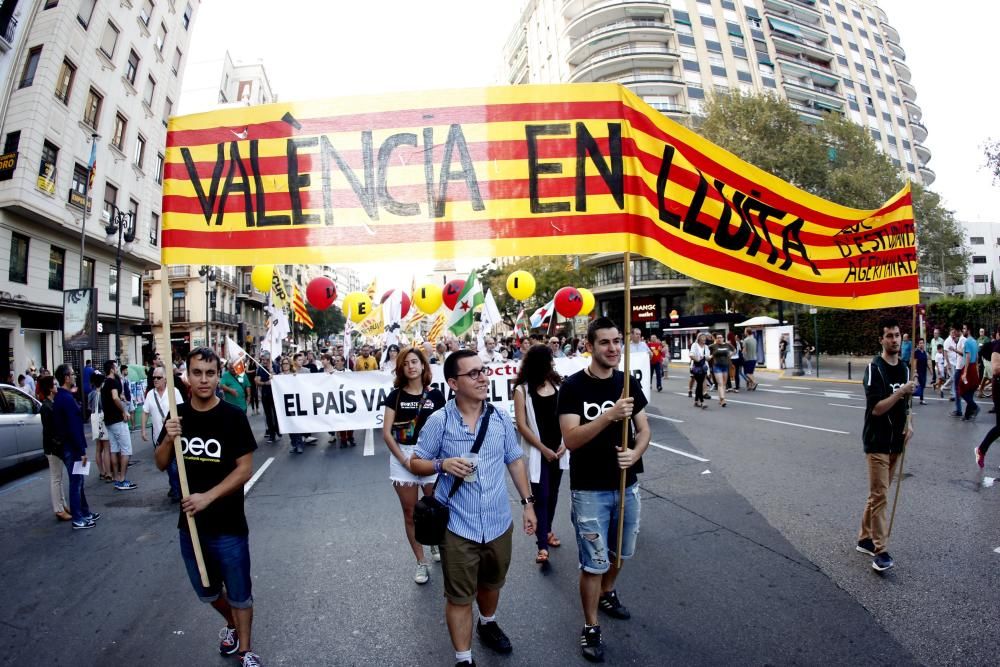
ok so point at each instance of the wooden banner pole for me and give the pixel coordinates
(627, 319)
(909, 422)
(168, 374)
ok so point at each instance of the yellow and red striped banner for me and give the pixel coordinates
(299, 311)
(523, 170)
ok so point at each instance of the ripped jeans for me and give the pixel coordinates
(595, 517)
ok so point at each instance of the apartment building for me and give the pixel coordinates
(822, 56)
(83, 79)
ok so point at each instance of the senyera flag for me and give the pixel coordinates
(514, 171)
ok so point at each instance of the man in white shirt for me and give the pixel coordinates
(489, 354)
(952, 352)
(156, 407)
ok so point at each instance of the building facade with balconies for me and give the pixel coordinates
(822, 56)
(81, 77)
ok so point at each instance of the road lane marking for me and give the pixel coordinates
(841, 405)
(666, 419)
(17, 485)
(814, 428)
(677, 451)
(760, 405)
(256, 476)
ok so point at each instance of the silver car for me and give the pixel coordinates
(20, 426)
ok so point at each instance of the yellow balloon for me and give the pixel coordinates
(588, 300)
(427, 298)
(361, 308)
(521, 285)
(261, 277)
(349, 300)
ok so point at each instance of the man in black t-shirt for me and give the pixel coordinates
(115, 411)
(218, 447)
(888, 388)
(591, 409)
(263, 381)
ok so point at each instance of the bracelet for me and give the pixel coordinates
(439, 465)
(530, 500)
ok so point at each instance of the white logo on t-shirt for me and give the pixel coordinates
(198, 447)
(592, 411)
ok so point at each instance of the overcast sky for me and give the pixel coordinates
(314, 49)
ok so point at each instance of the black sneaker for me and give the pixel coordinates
(591, 644)
(83, 525)
(613, 607)
(466, 663)
(95, 516)
(882, 562)
(493, 637)
(866, 546)
(229, 641)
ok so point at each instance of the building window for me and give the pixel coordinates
(159, 168)
(121, 125)
(18, 272)
(168, 108)
(86, 12)
(977, 240)
(47, 167)
(186, 18)
(88, 272)
(57, 262)
(78, 191)
(146, 12)
(136, 284)
(112, 282)
(132, 67)
(980, 278)
(110, 199)
(64, 84)
(110, 40)
(30, 65)
(154, 229)
(139, 155)
(178, 301)
(176, 64)
(161, 38)
(49, 4)
(133, 211)
(978, 259)
(147, 98)
(12, 141)
(92, 110)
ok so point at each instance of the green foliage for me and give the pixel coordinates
(328, 322)
(983, 311)
(550, 272)
(717, 297)
(992, 152)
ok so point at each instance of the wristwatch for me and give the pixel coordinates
(530, 500)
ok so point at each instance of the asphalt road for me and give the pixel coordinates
(746, 556)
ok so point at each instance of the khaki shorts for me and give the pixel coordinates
(469, 566)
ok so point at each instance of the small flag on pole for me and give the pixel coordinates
(437, 329)
(545, 312)
(521, 326)
(462, 315)
(299, 308)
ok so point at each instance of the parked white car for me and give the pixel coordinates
(20, 426)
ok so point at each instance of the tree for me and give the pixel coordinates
(550, 272)
(327, 322)
(992, 151)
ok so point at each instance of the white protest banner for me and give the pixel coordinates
(309, 403)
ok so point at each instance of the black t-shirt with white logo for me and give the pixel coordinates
(594, 467)
(112, 414)
(406, 406)
(212, 441)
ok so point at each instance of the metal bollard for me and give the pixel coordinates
(848, 370)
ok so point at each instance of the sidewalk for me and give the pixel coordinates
(840, 368)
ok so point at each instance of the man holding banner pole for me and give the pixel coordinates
(592, 414)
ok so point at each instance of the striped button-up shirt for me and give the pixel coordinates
(480, 510)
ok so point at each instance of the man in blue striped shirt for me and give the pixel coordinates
(476, 551)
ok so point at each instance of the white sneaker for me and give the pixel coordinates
(423, 573)
(435, 554)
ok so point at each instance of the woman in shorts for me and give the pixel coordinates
(407, 408)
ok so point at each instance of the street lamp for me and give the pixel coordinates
(206, 274)
(121, 225)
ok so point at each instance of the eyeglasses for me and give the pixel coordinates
(157, 377)
(553, 342)
(474, 374)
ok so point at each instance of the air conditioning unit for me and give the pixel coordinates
(106, 216)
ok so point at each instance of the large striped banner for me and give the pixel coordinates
(523, 170)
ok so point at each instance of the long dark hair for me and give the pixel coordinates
(536, 368)
(399, 381)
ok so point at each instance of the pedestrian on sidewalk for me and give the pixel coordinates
(476, 551)
(656, 360)
(750, 358)
(412, 401)
(53, 449)
(114, 405)
(699, 354)
(970, 378)
(218, 448)
(721, 354)
(68, 418)
(591, 409)
(886, 432)
(102, 455)
(156, 406)
(536, 397)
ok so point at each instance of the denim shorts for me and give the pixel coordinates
(121, 438)
(227, 559)
(723, 370)
(595, 517)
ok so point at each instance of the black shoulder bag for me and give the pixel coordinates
(430, 515)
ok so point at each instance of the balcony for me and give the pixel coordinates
(810, 112)
(822, 98)
(220, 317)
(927, 175)
(670, 109)
(180, 315)
(802, 67)
(796, 46)
(890, 33)
(573, 9)
(909, 92)
(919, 131)
(794, 11)
(606, 63)
(615, 34)
(923, 153)
(896, 50)
(659, 85)
(902, 70)
(7, 35)
(178, 272)
(916, 113)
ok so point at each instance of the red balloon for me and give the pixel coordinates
(569, 302)
(451, 292)
(404, 307)
(321, 292)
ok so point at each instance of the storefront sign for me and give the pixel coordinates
(643, 310)
(8, 162)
